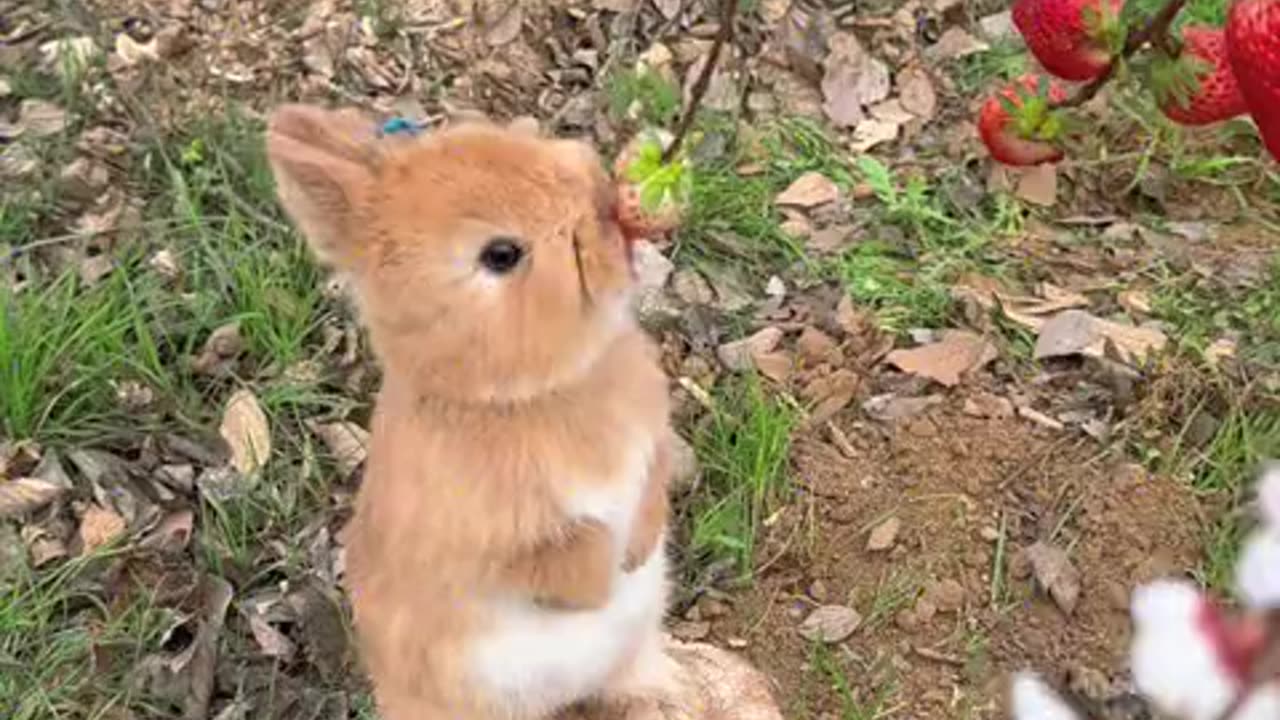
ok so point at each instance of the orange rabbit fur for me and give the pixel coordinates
(506, 556)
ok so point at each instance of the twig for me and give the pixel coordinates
(728, 11)
(1155, 31)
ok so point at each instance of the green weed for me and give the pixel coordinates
(742, 448)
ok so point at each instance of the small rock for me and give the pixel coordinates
(775, 288)
(830, 623)
(989, 534)
(692, 288)
(988, 405)
(891, 408)
(798, 228)
(711, 608)
(1039, 418)
(998, 26)
(818, 590)
(884, 535)
(684, 465)
(691, 631)
(925, 610)
(737, 643)
(947, 595)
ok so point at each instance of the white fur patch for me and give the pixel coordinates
(535, 660)
(539, 659)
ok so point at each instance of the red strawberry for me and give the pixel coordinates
(1214, 96)
(1024, 136)
(1072, 39)
(1253, 44)
(652, 196)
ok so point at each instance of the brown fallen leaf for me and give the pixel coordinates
(948, 360)
(348, 443)
(271, 641)
(506, 27)
(891, 408)
(98, 527)
(809, 190)
(740, 354)
(203, 658)
(852, 79)
(916, 93)
(777, 366)
(830, 624)
(884, 535)
(1055, 573)
(220, 351)
(1039, 185)
(244, 427)
(23, 495)
(39, 118)
(1136, 302)
(1076, 332)
(955, 43)
(1032, 312)
(872, 132)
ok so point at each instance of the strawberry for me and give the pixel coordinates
(1199, 88)
(1017, 125)
(1072, 39)
(1253, 45)
(652, 196)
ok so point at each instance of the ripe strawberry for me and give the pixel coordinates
(1017, 125)
(652, 197)
(1253, 44)
(1199, 88)
(1072, 39)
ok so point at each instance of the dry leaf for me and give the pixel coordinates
(947, 360)
(348, 443)
(20, 496)
(777, 366)
(1055, 572)
(98, 527)
(955, 43)
(68, 57)
(506, 27)
(891, 408)
(1219, 350)
(220, 351)
(203, 658)
(1029, 311)
(1076, 332)
(852, 80)
(271, 641)
(668, 8)
(1039, 184)
(1136, 302)
(870, 133)
(132, 52)
(916, 93)
(244, 427)
(809, 190)
(38, 118)
(830, 623)
(740, 354)
(884, 535)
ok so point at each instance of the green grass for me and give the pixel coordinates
(742, 446)
(656, 99)
(1200, 314)
(1229, 470)
(54, 635)
(853, 705)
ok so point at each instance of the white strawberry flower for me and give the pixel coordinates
(1262, 704)
(1034, 700)
(1258, 571)
(1175, 661)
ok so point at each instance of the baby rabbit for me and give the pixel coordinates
(506, 556)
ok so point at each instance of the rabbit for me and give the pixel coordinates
(506, 558)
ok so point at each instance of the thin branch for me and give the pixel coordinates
(1156, 31)
(728, 10)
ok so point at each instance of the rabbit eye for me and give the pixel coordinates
(501, 255)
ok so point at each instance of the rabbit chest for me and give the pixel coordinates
(539, 658)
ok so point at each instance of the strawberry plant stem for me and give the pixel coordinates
(1155, 31)
(728, 9)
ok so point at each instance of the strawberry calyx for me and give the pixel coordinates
(1177, 79)
(652, 194)
(1031, 112)
(1102, 24)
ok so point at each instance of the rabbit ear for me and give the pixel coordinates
(324, 162)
